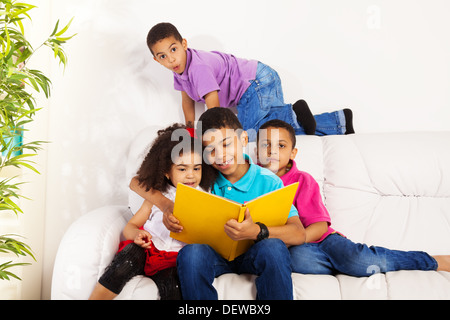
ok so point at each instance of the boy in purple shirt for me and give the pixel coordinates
(326, 251)
(223, 80)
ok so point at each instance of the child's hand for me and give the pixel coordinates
(143, 239)
(246, 230)
(172, 223)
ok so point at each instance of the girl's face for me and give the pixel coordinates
(186, 169)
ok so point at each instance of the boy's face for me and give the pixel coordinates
(224, 151)
(275, 150)
(171, 53)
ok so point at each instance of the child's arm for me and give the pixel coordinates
(159, 200)
(212, 100)
(153, 196)
(315, 231)
(292, 233)
(311, 208)
(188, 109)
(132, 231)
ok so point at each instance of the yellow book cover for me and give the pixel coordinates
(203, 216)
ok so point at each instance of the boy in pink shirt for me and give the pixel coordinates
(326, 251)
(308, 199)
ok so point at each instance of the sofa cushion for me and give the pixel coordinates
(391, 190)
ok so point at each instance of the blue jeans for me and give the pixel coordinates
(264, 101)
(269, 259)
(337, 254)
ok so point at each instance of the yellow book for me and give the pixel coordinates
(203, 216)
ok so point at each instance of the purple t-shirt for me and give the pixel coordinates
(210, 71)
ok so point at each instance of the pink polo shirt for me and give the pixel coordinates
(308, 199)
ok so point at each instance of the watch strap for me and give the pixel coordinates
(264, 233)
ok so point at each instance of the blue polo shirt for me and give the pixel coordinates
(256, 182)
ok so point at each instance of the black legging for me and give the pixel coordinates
(130, 262)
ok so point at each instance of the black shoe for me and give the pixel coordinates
(349, 121)
(168, 284)
(305, 117)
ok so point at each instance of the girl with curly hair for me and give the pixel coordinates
(174, 157)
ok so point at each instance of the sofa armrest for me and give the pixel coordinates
(87, 248)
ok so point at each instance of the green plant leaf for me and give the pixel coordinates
(64, 29)
(11, 205)
(10, 245)
(18, 107)
(63, 40)
(22, 11)
(5, 275)
(56, 29)
(8, 42)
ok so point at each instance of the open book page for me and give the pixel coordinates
(204, 215)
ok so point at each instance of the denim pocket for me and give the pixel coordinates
(263, 94)
(250, 110)
(268, 89)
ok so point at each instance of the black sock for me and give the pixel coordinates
(349, 121)
(305, 117)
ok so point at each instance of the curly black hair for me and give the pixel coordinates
(161, 31)
(158, 161)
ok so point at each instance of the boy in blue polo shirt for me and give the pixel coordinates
(241, 180)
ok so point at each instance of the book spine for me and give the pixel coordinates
(242, 213)
(235, 245)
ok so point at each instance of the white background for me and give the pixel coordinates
(387, 60)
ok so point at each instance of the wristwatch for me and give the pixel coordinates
(263, 234)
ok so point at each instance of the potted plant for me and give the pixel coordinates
(18, 87)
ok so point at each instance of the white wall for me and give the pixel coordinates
(386, 60)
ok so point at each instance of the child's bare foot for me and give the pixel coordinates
(443, 263)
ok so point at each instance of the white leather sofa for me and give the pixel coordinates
(390, 190)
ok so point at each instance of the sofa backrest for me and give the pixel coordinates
(389, 189)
